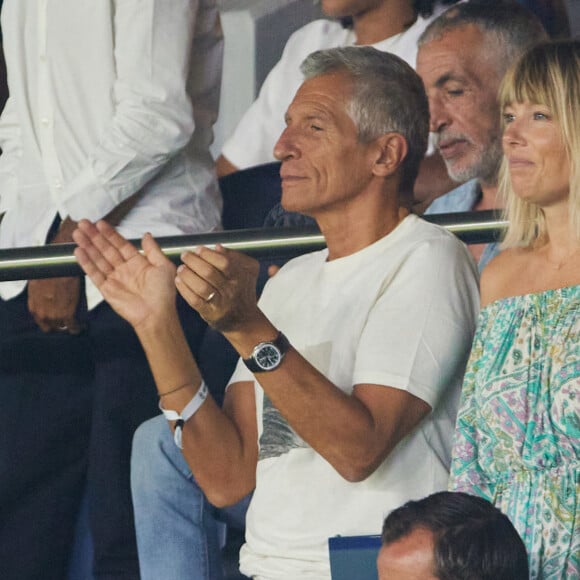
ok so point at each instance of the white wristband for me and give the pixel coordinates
(188, 412)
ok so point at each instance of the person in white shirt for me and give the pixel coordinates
(389, 25)
(351, 411)
(110, 116)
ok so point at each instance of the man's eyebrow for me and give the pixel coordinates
(311, 116)
(447, 77)
(318, 117)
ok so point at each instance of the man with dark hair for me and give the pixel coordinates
(330, 420)
(462, 58)
(451, 536)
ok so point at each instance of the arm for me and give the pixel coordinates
(153, 116)
(53, 302)
(378, 416)
(220, 446)
(153, 120)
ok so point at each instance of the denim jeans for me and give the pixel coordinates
(177, 528)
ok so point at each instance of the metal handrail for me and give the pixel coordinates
(57, 260)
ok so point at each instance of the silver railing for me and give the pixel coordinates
(58, 259)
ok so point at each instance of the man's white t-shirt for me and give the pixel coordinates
(399, 313)
(253, 140)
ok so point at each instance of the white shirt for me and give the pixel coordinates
(401, 313)
(253, 140)
(108, 99)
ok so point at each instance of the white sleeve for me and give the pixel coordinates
(11, 145)
(253, 140)
(418, 334)
(153, 117)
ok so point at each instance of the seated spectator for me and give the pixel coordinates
(462, 58)
(450, 536)
(518, 438)
(389, 25)
(330, 420)
(463, 55)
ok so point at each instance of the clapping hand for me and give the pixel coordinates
(139, 287)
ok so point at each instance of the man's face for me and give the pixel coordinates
(324, 166)
(410, 558)
(344, 8)
(460, 73)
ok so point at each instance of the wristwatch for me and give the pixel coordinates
(268, 356)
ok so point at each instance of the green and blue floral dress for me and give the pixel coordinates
(518, 433)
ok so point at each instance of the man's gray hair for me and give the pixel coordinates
(510, 27)
(387, 97)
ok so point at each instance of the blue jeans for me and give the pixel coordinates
(177, 528)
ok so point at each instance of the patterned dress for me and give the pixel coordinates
(518, 434)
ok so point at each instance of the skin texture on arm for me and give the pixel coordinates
(220, 446)
(378, 416)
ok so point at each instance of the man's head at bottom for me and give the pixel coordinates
(450, 536)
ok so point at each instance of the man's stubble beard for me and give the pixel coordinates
(485, 168)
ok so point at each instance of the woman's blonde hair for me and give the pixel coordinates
(547, 74)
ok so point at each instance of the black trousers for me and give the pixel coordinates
(69, 406)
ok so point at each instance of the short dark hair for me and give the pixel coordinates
(511, 27)
(473, 540)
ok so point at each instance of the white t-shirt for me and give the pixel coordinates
(253, 140)
(400, 313)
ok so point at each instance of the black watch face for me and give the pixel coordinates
(268, 357)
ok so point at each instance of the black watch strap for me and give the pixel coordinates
(277, 347)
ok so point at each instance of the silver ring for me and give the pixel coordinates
(62, 328)
(211, 296)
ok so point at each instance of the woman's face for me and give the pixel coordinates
(536, 154)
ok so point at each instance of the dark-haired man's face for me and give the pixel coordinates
(410, 558)
(461, 76)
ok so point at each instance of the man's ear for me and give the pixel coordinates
(391, 149)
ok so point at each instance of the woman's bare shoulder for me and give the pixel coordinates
(502, 277)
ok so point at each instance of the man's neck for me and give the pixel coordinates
(388, 19)
(348, 234)
(488, 199)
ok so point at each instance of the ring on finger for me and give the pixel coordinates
(211, 296)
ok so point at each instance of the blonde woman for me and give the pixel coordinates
(518, 433)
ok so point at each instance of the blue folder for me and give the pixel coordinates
(354, 557)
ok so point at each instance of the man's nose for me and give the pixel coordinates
(286, 146)
(438, 114)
